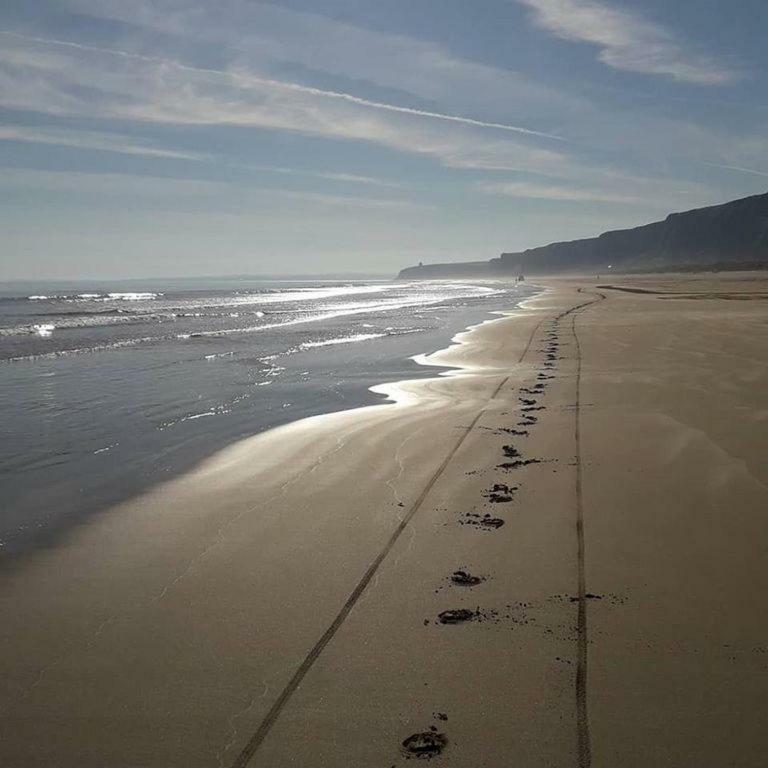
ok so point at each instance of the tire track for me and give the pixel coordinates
(256, 740)
(583, 736)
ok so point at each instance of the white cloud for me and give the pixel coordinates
(740, 169)
(347, 200)
(76, 80)
(351, 178)
(152, 190)
(626, 41)
(72, 79)
(249, 80)
(275, 40)
(526, 189)
(272, 39)
(608, 188)
(103, 184)
(65, 78)
(79, 139)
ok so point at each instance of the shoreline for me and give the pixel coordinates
(536, 560)
(144, 556)
(400, 393)
(89, 487)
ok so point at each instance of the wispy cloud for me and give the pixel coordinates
(350, 178)
(347, 200)
(154, 190)
(270, 38)
(251, 80)
(536, 191)
(627, 41)
(65, 78)
(613, 188)
(740, 169)
(105, 185)
(79, 139)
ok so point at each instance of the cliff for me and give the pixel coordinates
(726, 236)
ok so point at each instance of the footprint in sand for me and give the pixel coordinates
(424, 745)
(506, 431)
(485, 522)
(457, 616)
(464, 579)
(500, 493)
(518, 463)
(463, 615)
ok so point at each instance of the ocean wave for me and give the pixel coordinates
(81, 312)
(130, 296)
(318, 317)
(53, 354)
(106, 448)
(276, 319)
(74, 321)
(282, 296)
(110, 296)
(42, 329)
(342, 340)
(218, 410)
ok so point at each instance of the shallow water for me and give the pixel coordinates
(108, 389)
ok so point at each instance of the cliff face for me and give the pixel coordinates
(734, 233)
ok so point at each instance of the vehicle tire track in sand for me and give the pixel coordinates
(250, 749)
(583, 738)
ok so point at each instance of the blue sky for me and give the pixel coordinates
(173, 137)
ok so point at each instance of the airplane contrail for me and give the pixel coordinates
(249, 78)
(735, 168)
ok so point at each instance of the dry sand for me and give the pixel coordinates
(281, 605)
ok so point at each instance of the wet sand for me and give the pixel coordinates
(553, 557)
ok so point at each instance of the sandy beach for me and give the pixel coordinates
(553, 556)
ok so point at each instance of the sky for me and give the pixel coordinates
(182, 138)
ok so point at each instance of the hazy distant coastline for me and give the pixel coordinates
(732, 236)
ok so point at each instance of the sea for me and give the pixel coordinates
(107, 389)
